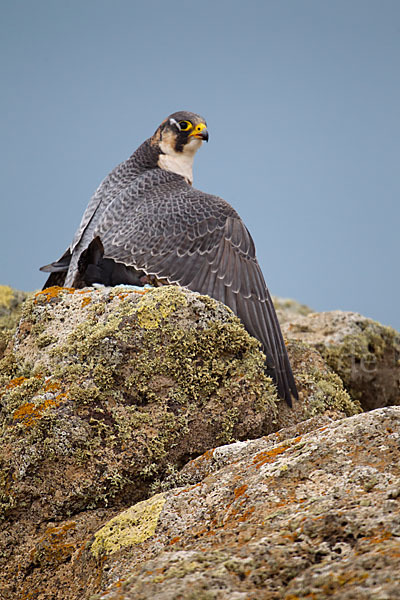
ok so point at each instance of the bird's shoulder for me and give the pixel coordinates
(176, 195)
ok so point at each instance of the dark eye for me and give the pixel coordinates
(185, 125)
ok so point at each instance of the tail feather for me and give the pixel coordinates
(58, 270)
(61, 264)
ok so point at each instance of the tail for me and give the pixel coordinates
(58, 270)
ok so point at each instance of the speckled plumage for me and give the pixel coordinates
(152, 222)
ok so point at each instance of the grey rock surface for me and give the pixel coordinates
(311, 516)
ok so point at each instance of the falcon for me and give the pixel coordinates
(147, 224)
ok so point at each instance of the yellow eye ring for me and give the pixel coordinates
(185, 125)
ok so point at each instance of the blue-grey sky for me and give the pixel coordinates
(302, 102)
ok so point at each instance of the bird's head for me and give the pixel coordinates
(183, 131)
(179, 137)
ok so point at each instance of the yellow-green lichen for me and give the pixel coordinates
(44, 340)
(6, 296)
(363, 353)
(328, 394)
(131, 527)
(20, 391)
(11, 302)
(321, 388)
(152, 308)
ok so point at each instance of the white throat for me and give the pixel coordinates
(180, 163)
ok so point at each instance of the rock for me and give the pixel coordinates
(316, 515)
(287, 309)
(106, 391)
(105, 397)
(319, 388)
(364, 353)
(102, 394)
(10, 312)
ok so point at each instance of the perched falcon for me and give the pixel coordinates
(147, 224)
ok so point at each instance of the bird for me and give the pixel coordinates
(147, 224)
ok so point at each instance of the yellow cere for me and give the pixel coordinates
(198, 129)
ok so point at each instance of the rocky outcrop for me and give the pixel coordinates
(106, 396)
(364, 353)
(307, 513)
(10, 311)
(288, 309)
(105, 392)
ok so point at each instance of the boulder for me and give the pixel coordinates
(10, 311)
(102, 394)
(364, 353)
(312, 513)
(105, 391)
(288, 309)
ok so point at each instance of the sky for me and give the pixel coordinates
(302, 103)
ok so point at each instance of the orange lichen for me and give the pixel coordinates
(30, 413)
(174, 540)
(235, 517)
(377, 539)
(15, 382)
(51, 386)
(240, 491)
(24, 411)
(85, 302)
(207, 455)
(268, 456)
(192, 487)
(32, 595)
(246, 514)
(346, 579)
(52, 547)
(52, 292)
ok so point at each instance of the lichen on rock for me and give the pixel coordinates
(131, 527)
(105, 397)
(310, 516)
(10, 310)
(320, 387)
(364, 353)
(127, 387)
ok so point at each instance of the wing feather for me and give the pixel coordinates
(231, 299)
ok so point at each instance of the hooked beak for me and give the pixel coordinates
(200, 132)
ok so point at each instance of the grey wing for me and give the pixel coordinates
(63, 271)
(120, 178)
(108, 191)
(88, 215)
(100, 199)
(200, 242)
